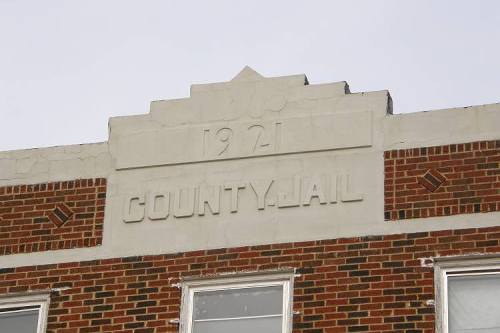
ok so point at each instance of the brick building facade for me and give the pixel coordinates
(258, 204)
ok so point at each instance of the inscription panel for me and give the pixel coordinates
(194, 200)
(191, 144)
(247, 201)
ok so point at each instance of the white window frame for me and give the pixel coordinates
(237, 281)
(445, 267)
(41, 299)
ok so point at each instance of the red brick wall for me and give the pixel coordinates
(360, 284)
(50, 216)
(442, 180)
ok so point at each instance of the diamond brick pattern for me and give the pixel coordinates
(431, 180)
(51, 216)
(60, 215)
(442, 180)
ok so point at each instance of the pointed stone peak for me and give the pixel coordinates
(247, 74)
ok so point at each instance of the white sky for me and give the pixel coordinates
(67, 66)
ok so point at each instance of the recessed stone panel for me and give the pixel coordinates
(230, 140)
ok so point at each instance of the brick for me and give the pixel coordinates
(345, 285)
(442, 181)
(46, 216)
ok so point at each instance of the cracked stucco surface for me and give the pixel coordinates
(32, 166)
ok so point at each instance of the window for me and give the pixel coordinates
(468, 294)
(245, 303)
(24, 313)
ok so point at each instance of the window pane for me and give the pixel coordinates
(262, 325)
(19, 322)
(243, 302)
(474, 303)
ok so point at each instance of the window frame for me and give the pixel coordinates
(444, 267)
(41, 299)
(237, 281)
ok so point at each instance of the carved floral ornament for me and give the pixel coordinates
(186, 202)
